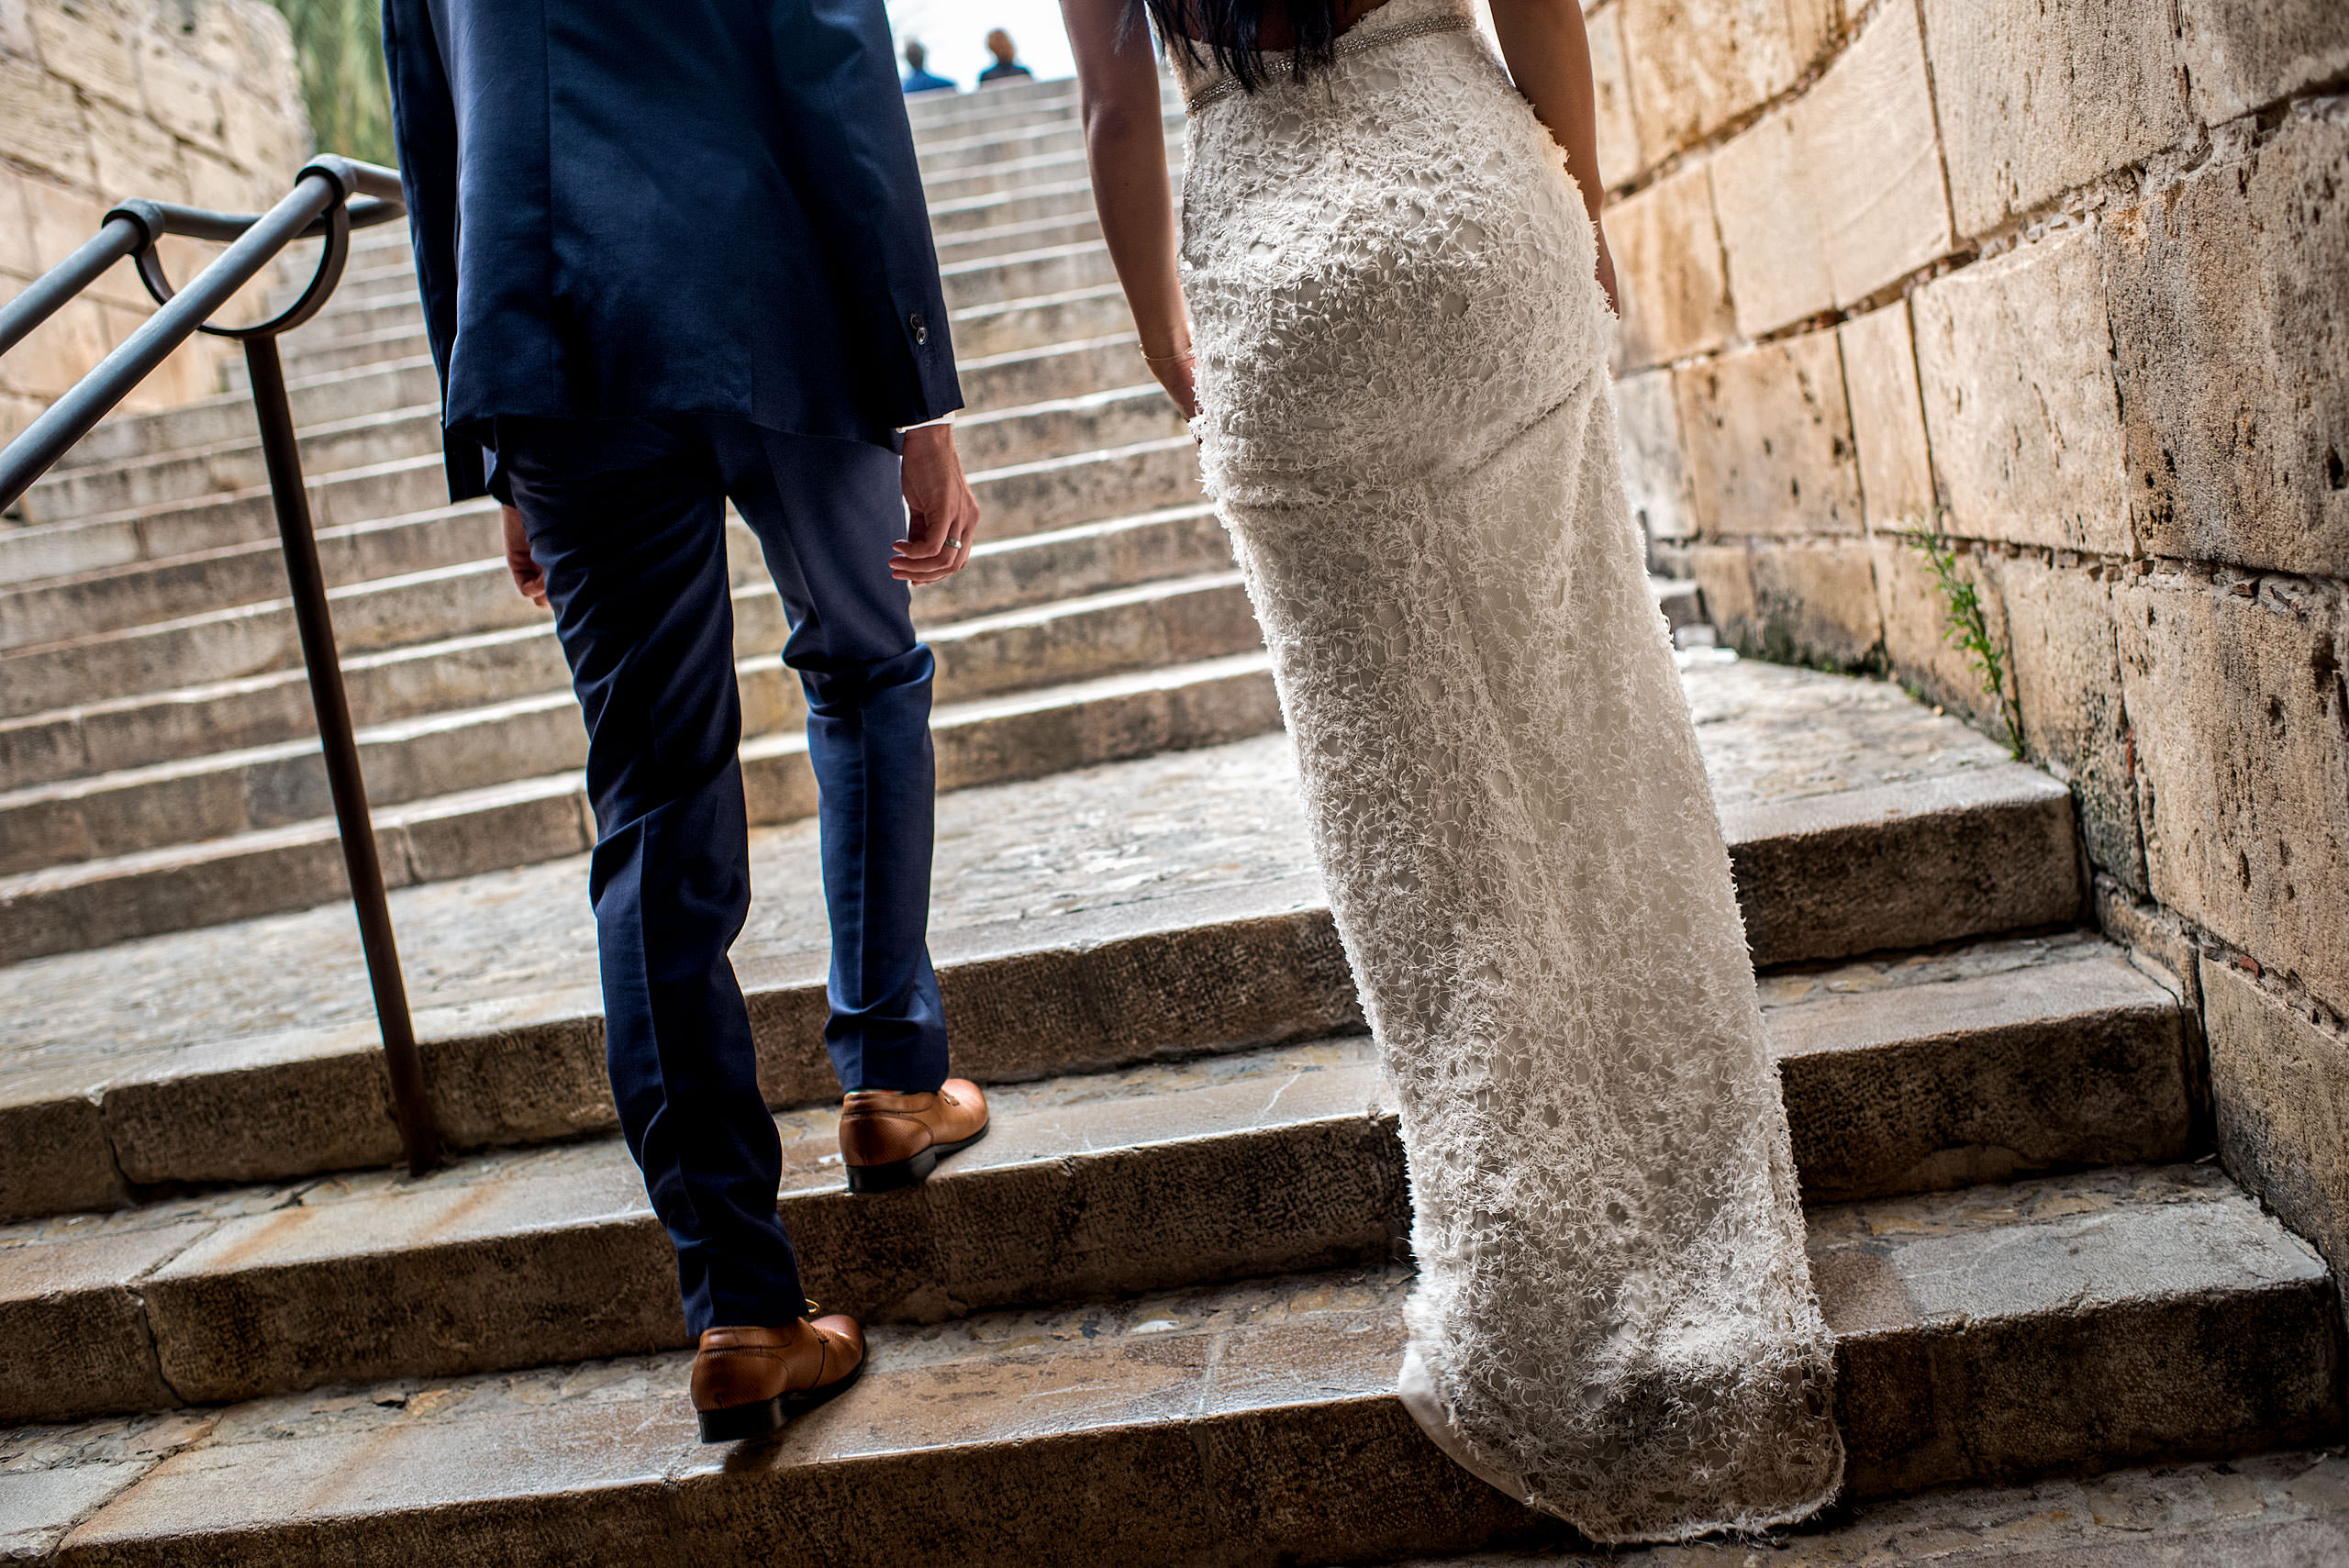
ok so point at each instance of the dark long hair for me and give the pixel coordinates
(1227, 31)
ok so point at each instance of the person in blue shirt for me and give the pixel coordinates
(1006, 66)
(918, 79)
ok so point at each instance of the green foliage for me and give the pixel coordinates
(341, 45)
(1967, 628)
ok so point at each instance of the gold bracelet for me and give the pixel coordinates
(1175, 358)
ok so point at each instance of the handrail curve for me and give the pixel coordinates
(331, 196)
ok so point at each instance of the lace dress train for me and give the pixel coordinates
(1408, 431)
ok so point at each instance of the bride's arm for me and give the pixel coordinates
(1549, 55)
(1125, 146)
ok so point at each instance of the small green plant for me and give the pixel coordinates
(1967, 628)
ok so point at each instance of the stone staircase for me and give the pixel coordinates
(1155, 1318)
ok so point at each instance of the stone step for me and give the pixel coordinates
(316, 351)
(966, 228)
(1167, 904)
(1000, 275)
(1119, 416)
(1016, 175)
(1682, 605)
(370, 616)
(318, 401)
(1017, 234)
(931, 111)
(2278, 1510)
(270, 702)
(230, 458)
(166, 478)
(1059, 110)
(952, 115)
(223, 793)
(87, 903)
(1073, 419)
(1016, 498)
(1063, 198)
(143, 593)
(1068, 316)
(1241, 1163)
(992, 145)
(1995, 1334)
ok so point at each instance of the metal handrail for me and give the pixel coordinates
(330, 197)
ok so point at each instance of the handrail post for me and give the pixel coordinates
(411, 1103)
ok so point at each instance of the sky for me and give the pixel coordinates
(956, 31)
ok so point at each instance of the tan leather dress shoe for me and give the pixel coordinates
(890, 1141)
(747, 1380)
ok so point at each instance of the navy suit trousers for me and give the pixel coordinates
(627, 519)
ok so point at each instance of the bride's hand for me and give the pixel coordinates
(1179, 376)
(1607, 275)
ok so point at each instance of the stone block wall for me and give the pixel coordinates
(194, 101)
(2070, 283)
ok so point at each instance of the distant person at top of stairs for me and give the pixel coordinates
(697, 267)
(1006, 66)
(919, 77)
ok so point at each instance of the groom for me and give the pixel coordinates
(674, 256)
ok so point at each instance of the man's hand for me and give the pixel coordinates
(528, 579)
(945, 513)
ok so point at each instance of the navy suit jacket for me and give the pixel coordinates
(624, 208)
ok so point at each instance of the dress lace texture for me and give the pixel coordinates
(1408, 431)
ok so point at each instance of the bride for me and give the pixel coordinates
(1395, 356)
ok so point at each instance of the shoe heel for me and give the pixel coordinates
(893, 1176)
(736, 1422)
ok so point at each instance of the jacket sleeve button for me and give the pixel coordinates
(921, 329)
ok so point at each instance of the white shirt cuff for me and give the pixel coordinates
(945, 418)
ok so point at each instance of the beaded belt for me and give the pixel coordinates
(1357, 40)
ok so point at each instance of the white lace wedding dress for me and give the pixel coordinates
(1408, 430)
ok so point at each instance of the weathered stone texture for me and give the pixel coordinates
(2036, 99)
(2244, 54)
(1871, 168)
(1668, 271)
(58, 352)
(2015, 362)
(2083, 1388)
(2280, 1077)
(83, 48)
(2068, 681)
(40, 121)
(1888, 417)
(2229, 307)
(1770, 439)
(1988, 850)
(2241, 713)
(1811, 603)
(1725, 578)
(1618, 137)
(1977, 1077)
(131, 156)
(101, 102)
(1698, 64)
(1655, 474)
(1778, 267)
(1839, 193)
